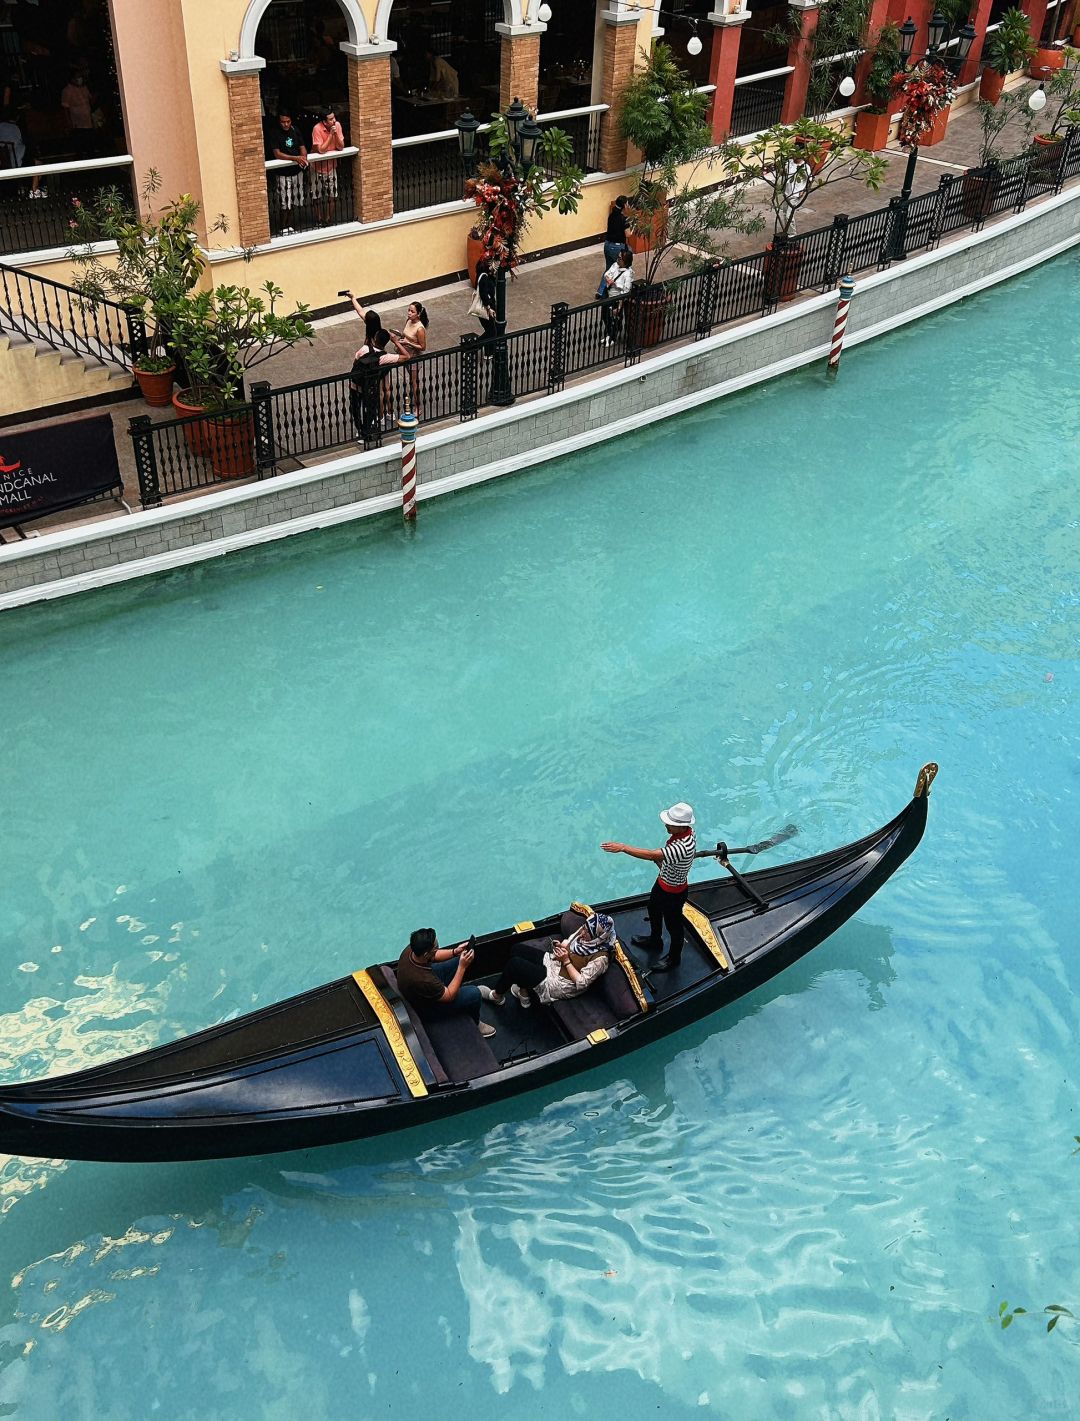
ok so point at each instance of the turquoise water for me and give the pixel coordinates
(245, 778)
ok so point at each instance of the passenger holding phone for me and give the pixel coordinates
(432, 979)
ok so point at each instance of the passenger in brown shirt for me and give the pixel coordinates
(434, 983)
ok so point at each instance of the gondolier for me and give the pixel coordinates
(668, 896)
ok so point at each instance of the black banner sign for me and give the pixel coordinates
(60, 466)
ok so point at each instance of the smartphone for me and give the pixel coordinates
(344, 293)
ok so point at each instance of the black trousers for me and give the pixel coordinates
(525, 969)
(666, 908)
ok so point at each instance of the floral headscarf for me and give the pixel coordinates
(598, 934)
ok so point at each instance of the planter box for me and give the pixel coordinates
(979, 189)
(990, 85)
(782, 271)
(872, 130)
(1044, 62)
(939, 130)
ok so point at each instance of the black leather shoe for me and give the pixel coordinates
(666, 964)
(655, 943)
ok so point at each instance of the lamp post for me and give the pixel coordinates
(523, 134)
(942, 48)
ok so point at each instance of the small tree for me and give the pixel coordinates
(881, 77)
(794, 160)
(1010, 46)
(690, 225)
(1063, 95)
(221, 334)
(158, 257)
(1010, 115)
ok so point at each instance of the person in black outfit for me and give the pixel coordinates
(615, 236)
(485, 289)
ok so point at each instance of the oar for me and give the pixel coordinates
(722, 853)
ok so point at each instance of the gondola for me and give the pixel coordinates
(352, 1059)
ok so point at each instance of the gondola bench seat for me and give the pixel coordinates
(607, 1002)
(455, 1049)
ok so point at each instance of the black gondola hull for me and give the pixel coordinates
(192, 1100)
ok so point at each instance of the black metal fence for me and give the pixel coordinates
(305, 199)
(41, 310)
(319, 415)
(36, 209)
(756, 107)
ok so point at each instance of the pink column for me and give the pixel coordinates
(1036, 13)
(723, 65)
(798, 81)
(878, 14)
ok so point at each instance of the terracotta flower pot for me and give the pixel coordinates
(939, 130)
(1045, 153)
(155, 385)
(782, 271)
(979, 188)
(643, 241)
(824, 148)
(230, 445)
(648, 316)
(871, 130)
(1044, 62)
(990, 85)
(474, 251)
(195, 432)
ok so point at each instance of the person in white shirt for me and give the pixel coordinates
(616, 285)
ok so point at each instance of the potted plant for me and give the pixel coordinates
(781, 159)
(1063, 109)
(220, 335)
(926, 95)
(158, 260)
(872, 124)
(509, 194)
(981, 183)
(1008, 48)
(663, 116)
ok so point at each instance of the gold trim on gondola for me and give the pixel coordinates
(704, 929)
(925, 780)
(582, 908)
(392, 1031)
(595, 1037)
(631, 975)
(524, 927)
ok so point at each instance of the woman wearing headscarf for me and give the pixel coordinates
(566, 969)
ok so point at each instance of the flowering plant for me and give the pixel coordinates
(923, 94)
(508, 194)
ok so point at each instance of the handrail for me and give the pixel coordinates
(444, 135)
(46, 170)
(40, 309)
(765, 74)
(273, 164)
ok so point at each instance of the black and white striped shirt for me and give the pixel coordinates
(675, 866)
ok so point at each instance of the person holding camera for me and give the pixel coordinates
(432, 979)
(287, 145)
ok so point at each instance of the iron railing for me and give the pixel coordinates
(303, 200)
(756, 104)
(41, 310)
(36, 203)
(293, 422)
(427, 170)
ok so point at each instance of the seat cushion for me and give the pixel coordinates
(463, 1052)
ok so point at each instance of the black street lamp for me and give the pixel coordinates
(939, 39)
(523, 134)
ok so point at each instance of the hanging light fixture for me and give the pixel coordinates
(693, 44)
(908, 31)
(1037, 99)
(544, 14)
(847, 86)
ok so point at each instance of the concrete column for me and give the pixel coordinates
(371, 130)
(980, 18)
(798, 81)
(616, 67)
(246, 133)
(1036, 13)
(519, 65)
(723, 64)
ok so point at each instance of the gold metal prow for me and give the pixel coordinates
(925, 780)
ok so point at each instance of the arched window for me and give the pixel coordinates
(448, 61)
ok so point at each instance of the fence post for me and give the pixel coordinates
(892, 249)
(834, 255)
(265, 446)
(142, 438)
(468, 362)
(557, 347)
(138, 345)
(941, 200)
(708, 291)
(634, 321)
(1062, 159)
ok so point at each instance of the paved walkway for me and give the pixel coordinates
(571, 277)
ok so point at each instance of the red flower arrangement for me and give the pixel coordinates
(503, 204)
(923, 94)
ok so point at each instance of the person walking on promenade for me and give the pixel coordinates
(616, 285)
(615, 236)
(671, 888)
(433, 979)
(485, 291)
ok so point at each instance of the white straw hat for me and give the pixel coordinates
(679, 816)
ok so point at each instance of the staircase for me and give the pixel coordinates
(57, 347)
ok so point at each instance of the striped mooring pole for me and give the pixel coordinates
(407, 423)
(847, 291)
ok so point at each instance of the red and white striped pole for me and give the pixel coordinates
(407, 424)
(847, 291)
